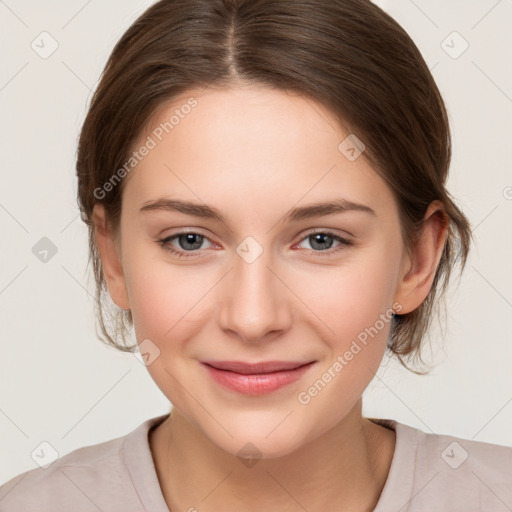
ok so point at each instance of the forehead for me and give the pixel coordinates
(250, 146)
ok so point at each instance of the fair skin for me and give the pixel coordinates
(253, 154)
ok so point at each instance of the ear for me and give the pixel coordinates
(419, 269)
(110, 259)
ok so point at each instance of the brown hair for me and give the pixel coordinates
(348, 55)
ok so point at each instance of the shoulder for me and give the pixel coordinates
(89, 478)
(465, 454)
(447, 471)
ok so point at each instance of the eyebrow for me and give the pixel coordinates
(295, 214)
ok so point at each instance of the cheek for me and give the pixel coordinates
(351, 298)
(355, 305)
(162, 294)
(168, 308)
(165, 301)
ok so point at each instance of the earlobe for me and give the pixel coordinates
(110, 259)
(420, 269)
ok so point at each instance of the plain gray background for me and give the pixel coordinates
(61, 385)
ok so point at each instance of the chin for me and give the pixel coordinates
(262, 436)
(251, 449)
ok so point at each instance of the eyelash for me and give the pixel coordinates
(166, 243)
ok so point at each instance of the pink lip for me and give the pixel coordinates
(258, 378)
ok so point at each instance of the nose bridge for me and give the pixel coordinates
(256, 302)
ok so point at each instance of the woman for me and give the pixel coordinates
(264, 186)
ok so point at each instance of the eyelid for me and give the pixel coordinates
(329, 231)
(186, 231)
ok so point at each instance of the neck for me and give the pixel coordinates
(346, 466)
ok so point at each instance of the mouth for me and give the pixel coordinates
(256, 378)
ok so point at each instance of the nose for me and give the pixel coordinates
(255, 305)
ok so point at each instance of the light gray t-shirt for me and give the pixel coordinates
(429, 472)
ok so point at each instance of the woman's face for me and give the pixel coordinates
(257, 286)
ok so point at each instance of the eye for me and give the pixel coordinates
(188, 242)
(322, 241)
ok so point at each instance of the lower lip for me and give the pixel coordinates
(257, 384)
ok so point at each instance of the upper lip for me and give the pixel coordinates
(256, 368)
